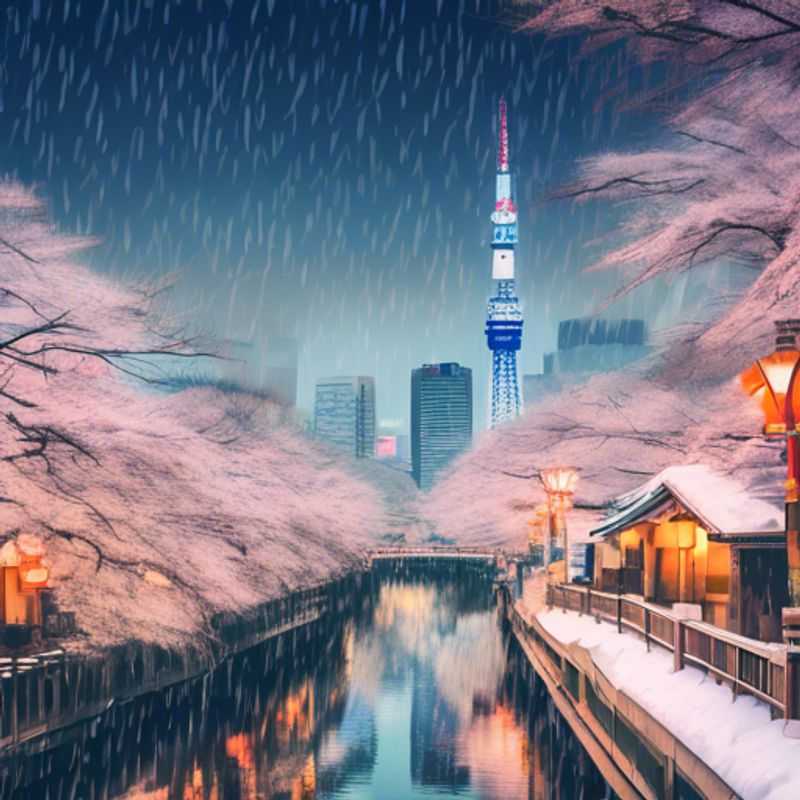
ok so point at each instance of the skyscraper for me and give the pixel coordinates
(441, 418)
(504, 316)
(344, 414)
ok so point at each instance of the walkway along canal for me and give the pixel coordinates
(650, 696)
(397, 683)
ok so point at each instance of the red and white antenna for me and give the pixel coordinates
(502, 150)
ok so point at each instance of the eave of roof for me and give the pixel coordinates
(652, 498)
(637, 511)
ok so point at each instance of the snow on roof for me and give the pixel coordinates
(719, 502)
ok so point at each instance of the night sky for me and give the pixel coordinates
(323, 168)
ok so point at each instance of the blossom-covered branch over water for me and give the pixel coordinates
(156, 509)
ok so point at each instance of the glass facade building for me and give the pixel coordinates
(344, 414)
(441, 418)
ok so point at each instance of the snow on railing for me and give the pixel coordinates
(766, 671)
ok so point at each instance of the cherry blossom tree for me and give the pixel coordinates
(722, 182)
(725, 182)
(157, 510)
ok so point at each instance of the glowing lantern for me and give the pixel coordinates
(9, 555)
(538, 530)
(560, 483)
(774, 381)
(686, 534)
(34, 577)
(768, 379)
(26, 553)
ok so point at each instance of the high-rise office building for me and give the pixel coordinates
(587, 345)
(441, 418)
(344, 413)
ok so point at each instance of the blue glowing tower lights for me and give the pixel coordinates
(504, 315)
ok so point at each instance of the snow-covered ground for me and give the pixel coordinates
(738, 740)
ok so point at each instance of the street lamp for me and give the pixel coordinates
(538, 533)
(773, 381)
(559, 483)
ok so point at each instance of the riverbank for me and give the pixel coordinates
(57, 689)
(659, 727)
(47, 692)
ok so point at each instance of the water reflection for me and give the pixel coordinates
(412, 696)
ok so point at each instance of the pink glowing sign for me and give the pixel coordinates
(386, 447)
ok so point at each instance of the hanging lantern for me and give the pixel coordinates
(33, 572)
(34, 577)
(9, 555)
(768, 379)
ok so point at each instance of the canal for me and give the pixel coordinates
(414, 691)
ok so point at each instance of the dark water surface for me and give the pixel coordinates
(414, 694)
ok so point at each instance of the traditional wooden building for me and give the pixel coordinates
(690, 535)
(22, 577)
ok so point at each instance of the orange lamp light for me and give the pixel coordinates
(559, 481)
(34, 578)
(687, 537)
(768, 379)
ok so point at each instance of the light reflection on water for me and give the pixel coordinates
(401, 702)
(426, 675)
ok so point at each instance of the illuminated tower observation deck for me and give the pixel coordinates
(504, 315)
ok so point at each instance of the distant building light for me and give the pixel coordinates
(386, 447)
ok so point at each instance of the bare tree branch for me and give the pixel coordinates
(778, 239)
(17, 250)
(633, 180)
(702, 140)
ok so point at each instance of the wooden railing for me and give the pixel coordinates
(50, 690)
(434, 551)
(768, 671)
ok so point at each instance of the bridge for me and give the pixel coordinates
(440, 552)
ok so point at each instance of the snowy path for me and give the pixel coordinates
(738, 740)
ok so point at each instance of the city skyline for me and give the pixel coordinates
(291, 192)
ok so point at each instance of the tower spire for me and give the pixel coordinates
(504, 316)
(502, 148)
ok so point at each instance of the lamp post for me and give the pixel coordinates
(774, 382)
(538, 533)
(559, 483)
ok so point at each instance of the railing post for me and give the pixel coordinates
(589, 601)
(647, 628)
(791, 684)
(14, 701)
(677, 645)
(619, 613)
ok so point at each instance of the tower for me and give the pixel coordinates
(504, 316)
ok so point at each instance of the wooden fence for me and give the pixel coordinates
(47, 691)
(770, 672)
